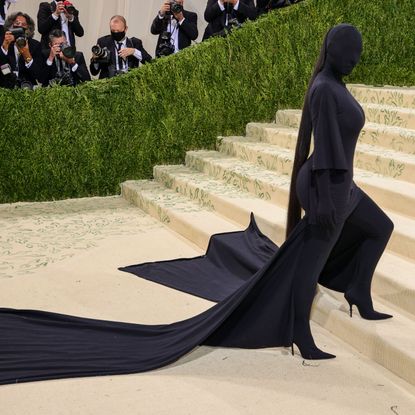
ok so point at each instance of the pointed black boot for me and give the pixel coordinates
(305, 343)
(365, 307)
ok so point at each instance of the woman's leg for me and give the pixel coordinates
(353, 260)
(375, 229)
(317, 245)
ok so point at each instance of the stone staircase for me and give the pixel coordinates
(215, 191)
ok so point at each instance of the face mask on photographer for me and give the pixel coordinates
(118, 36)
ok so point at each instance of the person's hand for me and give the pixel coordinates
(8, 39)
(55, 50)
(178, 16)
(165, 7)
(69, 61)
(60, 8)
(25, 52)
(326, 214)
(126, 52)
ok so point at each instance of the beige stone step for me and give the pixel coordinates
(230, 201)
(388, 95)
(176, 211)
(274, 186)
(390, 115)
(384, 136)
(263, 183)
(375, 159)
(389, 343)
(393, 280)
(375, 113)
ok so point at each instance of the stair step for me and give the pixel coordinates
(390, 343)
(393, 279)
(394, 96)
(389, 163)
(228, 200)
(176, 211)
(384, 136)
(390, 115)
(265, 184)
(274, 186)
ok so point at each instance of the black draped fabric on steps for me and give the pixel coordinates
(254, 289)
(230, 260)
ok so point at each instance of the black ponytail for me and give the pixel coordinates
(302, 149)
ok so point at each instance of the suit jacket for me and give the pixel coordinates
(80, 75)
(265, 6)
(107, 70)
(217, 18)
(46, 23)
(187, 30)
(36, 72)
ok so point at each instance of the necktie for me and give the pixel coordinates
(2, 9)
(120, 60)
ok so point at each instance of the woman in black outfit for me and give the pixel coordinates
(264, 293)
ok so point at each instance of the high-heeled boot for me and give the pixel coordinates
(305, 343)
(363, 301)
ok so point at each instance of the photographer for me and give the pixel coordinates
(20, 55)
(222, 15)
(116, 53)
(265, 6)
(179, 26)
(4, 6)
(65, 66)
(60, 15)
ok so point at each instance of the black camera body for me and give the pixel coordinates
(67, 50)
(175, 8)
(166, 46)
(19, 35)
(103, 54)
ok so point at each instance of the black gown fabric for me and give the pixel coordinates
(254, 281)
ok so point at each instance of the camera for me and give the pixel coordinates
(175, 8)
(70, 8)
(19, 36)
(22, 84)
(103, 55)
(166, 46)
(67, 50)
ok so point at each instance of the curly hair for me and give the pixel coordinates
(30, 22)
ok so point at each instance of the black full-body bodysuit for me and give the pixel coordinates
(264, 293)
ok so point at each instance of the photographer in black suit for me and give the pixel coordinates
(60, 15)
(265, 6)
(65, 66)
(116, 53)
(20, 56)
(224, 14)
(179, 26)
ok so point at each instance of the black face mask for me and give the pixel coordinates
(344, 47)
(118, 36)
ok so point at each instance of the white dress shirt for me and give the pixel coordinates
(173, 28)
(222, 7)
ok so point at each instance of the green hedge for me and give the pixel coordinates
(62, 142)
